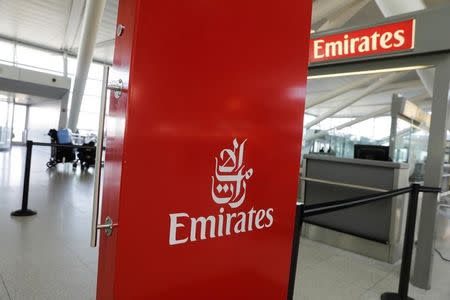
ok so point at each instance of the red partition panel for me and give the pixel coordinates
(203, 149)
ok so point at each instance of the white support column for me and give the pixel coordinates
(65, 65)
(27, 121)
(371, 88)
(63, 112)
(423, 267)
(91, 22)
(64, 106)
(394, 123)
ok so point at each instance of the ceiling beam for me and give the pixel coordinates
(377, 113)
(342, 90)
(324, 8)
(102, 44)
(371, 88)
(73, 25)
(397, 86)
(343, 16)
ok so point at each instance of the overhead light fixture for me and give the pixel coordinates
(368, 72)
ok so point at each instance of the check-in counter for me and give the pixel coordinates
(374, 230)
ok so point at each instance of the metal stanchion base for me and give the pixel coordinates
(393, 296)
(23, 213)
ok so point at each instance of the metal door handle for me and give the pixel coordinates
(117, 88)
(108, 226)
(98, 162)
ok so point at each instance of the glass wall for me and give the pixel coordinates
(6, 53)
(19, 124)
(6, 112)
(42, 117)
(53, 63)
(43, 61)
(90, 108)
(374, 131)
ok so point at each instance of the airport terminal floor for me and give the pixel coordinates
(48, 257)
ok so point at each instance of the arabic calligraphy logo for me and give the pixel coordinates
(229, 185)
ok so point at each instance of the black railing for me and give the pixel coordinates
(414, 190)
(24, 211)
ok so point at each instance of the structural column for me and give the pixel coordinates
(433, 175)
(396, 102)
(63, 111)
(91, 22)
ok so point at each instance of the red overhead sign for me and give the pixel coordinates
(371, 41)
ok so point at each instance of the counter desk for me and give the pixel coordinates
(374, 230)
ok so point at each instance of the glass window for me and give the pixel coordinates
(307, 118)
(93, 87)
(71, 66)
(30, 58)
(95, 70)
(90, 104)
(88, 121)
(3, 112)
(6, 52)
(328, 123)
(5, 124)
(42, 117)
(20, 115)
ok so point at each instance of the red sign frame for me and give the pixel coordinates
(383, 39)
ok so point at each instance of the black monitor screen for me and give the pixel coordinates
(372, 152)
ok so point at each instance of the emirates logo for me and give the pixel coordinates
(229, 183)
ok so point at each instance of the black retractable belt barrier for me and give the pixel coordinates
(295, 247)
(304, 211)
(25, 211)
(408, 245)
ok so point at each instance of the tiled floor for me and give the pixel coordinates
(327, 273)
(47, 256)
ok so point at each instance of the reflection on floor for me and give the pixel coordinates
(47, 256)
(327, 273)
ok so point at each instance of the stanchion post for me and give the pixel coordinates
(295, 248)
(24, 211)
(408, 246)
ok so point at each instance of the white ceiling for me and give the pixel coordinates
(408, 86)
(55, 24)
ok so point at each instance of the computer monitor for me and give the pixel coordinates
(372, 152)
